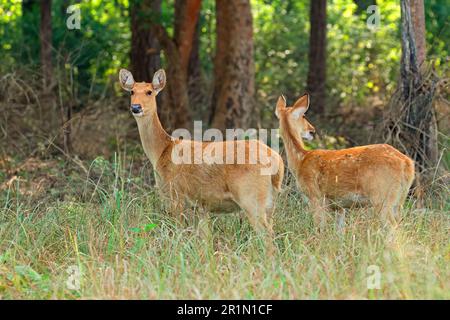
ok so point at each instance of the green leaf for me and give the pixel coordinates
(149, 227)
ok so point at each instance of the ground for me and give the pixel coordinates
(102, 232)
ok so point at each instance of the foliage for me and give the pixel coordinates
(281, 50)
(89, 55)
(438, 30)
(361, 62)
(10, 11)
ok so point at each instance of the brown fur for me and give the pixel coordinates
(377, 174)
(216, 187)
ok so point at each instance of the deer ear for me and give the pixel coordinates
(159, 80)
(281, 105)
(126, 79)
(300, 106)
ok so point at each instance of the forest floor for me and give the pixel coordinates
(104, 234)
(74, 228)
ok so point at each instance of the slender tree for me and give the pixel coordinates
(145, 48)
(175, 111)
(412, 125)
(46, 43)
(186, 20)
(234, 73)
(417, 97)
(418, 22)
(317, 54)
(195, 79)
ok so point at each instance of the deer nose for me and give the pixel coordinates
(136, 108)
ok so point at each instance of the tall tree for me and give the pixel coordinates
(46, 43)
(317, 55)
(145, 48)
(234, 72)
(413, 126)
(196, 88)
(175, 111)
(419, 116)
(418, 22)
(186, 20)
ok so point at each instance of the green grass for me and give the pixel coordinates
(113, 227)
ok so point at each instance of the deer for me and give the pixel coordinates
(218, 186)
(377, 174)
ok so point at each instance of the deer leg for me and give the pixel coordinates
(317, 203)
(174, 203)
(386, 199)
(318, 206)
(259, 209)
(204, 227)
(387, 207)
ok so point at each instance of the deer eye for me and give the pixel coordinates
(132, 92)
(149, 92)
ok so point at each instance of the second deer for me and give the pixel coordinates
(377, 174)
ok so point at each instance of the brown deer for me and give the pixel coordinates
(377, 174)
(219, 186)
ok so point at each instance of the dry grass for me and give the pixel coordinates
(112, 226)
(105, 218)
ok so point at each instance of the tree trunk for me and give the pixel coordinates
(419, 132)
(418, 22)
(234, 73)
(175, 111)
(187, 32)
(222, 42)
(145, 48)
(317, 55)
(186, 18)
(46, 43)
(196, 85)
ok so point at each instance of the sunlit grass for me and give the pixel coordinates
(114, 229)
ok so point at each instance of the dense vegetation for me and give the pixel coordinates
(361, 62)
(93, 206)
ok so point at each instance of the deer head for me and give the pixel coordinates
(143, 94)
(295, 117)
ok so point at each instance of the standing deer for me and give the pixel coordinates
(218, 186)
(377, 174)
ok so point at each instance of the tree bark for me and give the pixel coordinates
(420, 130)
(195, 80)
(234, 73)
(222, 43)
(186, 17)
(418, 22)
(317, 55)
(175, 110)
(46, 43)
(145, 48)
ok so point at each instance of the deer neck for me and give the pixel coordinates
(295, 149)
(154, 138)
